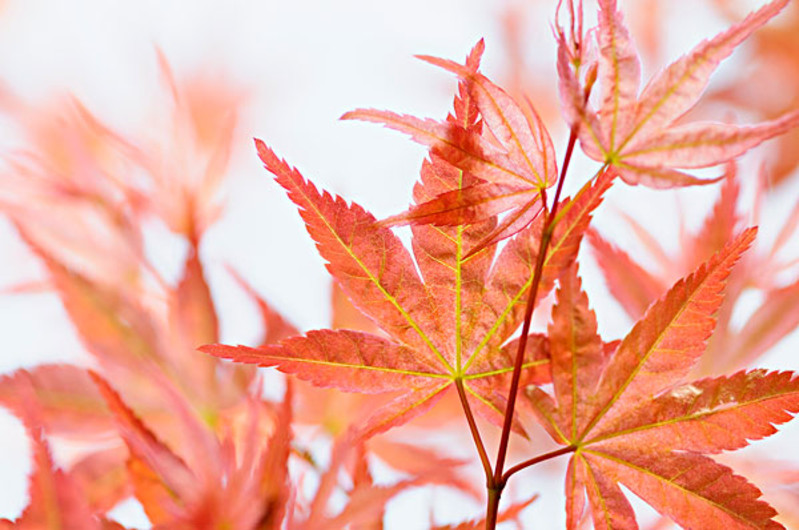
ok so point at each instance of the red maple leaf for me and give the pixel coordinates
(507, 164)
(451, 329)
(632, 419)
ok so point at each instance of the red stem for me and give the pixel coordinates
(497, 484)
(478, 441)
(538, 459)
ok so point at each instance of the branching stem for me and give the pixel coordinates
(497, 484)
(537, 460)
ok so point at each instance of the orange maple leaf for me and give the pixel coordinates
(506, 165)
(636, 133)
(632, 419)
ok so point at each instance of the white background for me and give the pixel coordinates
(304, 63)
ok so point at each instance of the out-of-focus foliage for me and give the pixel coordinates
(419, 337)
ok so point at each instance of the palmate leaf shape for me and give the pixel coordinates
(509, 152)
(636, 133)
(449, 329)
(633, 420)
(445, 329)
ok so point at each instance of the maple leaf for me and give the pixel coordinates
(636, 287)
(336, 412)
(506, 166)
(636, 133)
(773, 63)
(235, 482)
(448, 330)
(56, 499)
(202, 111)
(732, 346)
(632, 419)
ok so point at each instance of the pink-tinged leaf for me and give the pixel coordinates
(636, 422)
(702, 144)
(709, 415)
(514, 158)
(187, 178)
(537, 370)
(441, 331)
(274, 483)
(629, 283)
(658, 177)
(575, 56)
(638, 136)
(461, 148)
(55, 502)
(348, 360)
(788, 230)
(416, 460)
(432, 325)
(455, 283)
(721, 224)
(466, 111)
(691, 489)
(193, 322)
(67, 402)
(345, 315)
(489, 377)
(518, 129)
(619, 75)
(156, 499)
(176, 494)
(328, 481)
(674, 91)
(366, 501)
(365, 507)
(666, 343)
(403, 409)
(491, 388)
(466, 205)
(777, 316)
(777, 477)
(513, 223)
